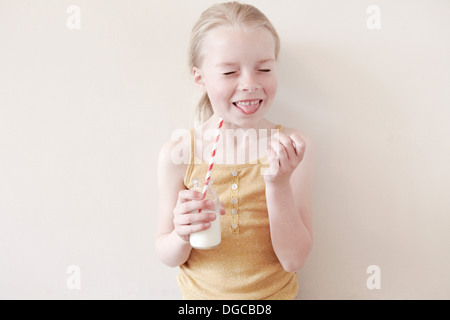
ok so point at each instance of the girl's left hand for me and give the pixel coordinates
(284, 155)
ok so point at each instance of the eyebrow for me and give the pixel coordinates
(266, 60)
(226, 64)
(232, 64)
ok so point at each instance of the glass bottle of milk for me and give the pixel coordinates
(211, 237)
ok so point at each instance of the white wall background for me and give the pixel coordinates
(83, 114)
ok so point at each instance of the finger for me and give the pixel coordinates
(189, 195)
(288, 145)
(274, 160)
(188, 229)
(222, 209)
(275, 144)
(194, 218)
(274, 163)
(299, 144)
(194, 205)
(280, 149)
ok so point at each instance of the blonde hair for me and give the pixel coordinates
(232, 14)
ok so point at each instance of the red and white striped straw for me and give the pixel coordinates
(211, 160)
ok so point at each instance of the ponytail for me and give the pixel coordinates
(204, 109)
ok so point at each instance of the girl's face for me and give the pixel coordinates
(239, 73)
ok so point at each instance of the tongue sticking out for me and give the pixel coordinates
(248, 108)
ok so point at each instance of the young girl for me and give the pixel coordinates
(266, 218)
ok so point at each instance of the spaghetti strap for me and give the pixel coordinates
(192, 157)
(280, 127)
(190, 166)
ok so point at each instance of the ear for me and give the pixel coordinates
(198, 78)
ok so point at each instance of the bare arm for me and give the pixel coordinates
(288, 194)
(170, 248)
(176, 205)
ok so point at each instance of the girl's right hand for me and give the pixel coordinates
(186, 218)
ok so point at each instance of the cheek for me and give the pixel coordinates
(219, 91)
(218, 97)
(271, 87)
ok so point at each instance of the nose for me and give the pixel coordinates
(248, 82)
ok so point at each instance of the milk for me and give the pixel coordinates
(211, 237)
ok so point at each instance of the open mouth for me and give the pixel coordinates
(248, 106)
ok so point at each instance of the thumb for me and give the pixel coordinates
(273, 163)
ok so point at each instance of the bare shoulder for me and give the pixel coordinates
(174, 156)
(172, 166)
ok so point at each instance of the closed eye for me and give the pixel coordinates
(265, 70)
(229, 73)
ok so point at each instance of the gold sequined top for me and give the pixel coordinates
(244, 265)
